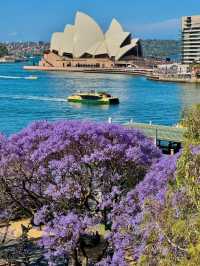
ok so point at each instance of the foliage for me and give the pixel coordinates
(3, 50)
(158, 223)
(72, 174)
(161, 48)
(131, 229)
(191, 120)
(173, 238)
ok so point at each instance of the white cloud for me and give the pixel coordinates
(13, 33)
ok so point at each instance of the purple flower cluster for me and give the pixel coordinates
(128, 236)
(62, 235)
(72, 174)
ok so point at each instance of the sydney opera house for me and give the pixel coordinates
(84, 44)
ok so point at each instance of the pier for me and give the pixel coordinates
(174, 78)
(169, 139)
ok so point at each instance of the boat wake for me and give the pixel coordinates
(15, 77)
(33, 98)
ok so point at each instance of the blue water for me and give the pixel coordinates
(23, 101)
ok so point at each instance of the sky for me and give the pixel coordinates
(36, 20)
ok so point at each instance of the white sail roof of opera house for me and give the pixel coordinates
(85, 37)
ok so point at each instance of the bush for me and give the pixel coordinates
(191, 120)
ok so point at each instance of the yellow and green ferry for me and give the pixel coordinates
(93, 97)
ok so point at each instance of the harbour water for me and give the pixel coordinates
(23, 101)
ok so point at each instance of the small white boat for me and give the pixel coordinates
(31, 77)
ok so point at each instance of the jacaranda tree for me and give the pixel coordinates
(71, 176)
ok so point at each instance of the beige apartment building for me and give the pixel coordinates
(191, 39)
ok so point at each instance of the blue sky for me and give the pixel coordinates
(37, 19)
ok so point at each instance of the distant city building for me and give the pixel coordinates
(85, 45)
(191, 39)
(21, 49)
(173, 69)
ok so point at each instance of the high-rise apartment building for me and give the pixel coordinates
(191, 39)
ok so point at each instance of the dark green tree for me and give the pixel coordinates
(3, 50)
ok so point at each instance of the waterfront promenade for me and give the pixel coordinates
(166, 133)
(169, 139)
(173, 78)
(139, 71)
(126, 71)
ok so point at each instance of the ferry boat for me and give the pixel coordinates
(93, 97)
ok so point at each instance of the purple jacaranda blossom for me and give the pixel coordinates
(62, 235)
(128, 215)
(68, 172)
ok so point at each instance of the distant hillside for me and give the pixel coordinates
(161, 48)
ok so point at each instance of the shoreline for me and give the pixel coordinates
(133, 72)
(137, 72)
(173, 80)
